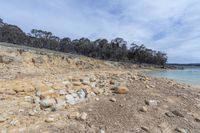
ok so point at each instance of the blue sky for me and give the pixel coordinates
(171, 26)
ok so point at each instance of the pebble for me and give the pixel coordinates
(47, 102)
(83, 116)
(181, 130)
(102, 131)
(177, 113)
(152, 102)
(143, 109)
(197, 119)
(121, 90)
(74, 115)
(49, 120)
(113, 99)
(2, 119)
(145, 128)
(31, 113)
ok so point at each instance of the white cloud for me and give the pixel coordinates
(166, 25)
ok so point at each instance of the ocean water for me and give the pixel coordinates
(188, 75)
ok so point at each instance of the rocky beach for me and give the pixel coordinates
(42, 91)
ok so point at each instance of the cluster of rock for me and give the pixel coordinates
(78, 90)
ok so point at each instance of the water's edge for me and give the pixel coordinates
(189, 76)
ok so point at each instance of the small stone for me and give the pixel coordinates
(47, 103)
(74, 115)
(169, 114)
(29, 99)
(97, 99)
(83, 116)
(49, 119)
(121, 90)
(2, 119)
(102, 131)
(197, 119)
(181, 130)
(31, 113)
(145, 128)
(177, 113)
(14, 122)
(151, 102)
(113, 99)
(143, 109)
(77, 83)
(62, 92)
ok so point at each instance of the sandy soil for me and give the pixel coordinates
(34, 87)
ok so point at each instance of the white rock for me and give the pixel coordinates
(83, 116)
(152, 102)
(47, 102)
(2, 119)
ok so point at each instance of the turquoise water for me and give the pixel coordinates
(188, 75)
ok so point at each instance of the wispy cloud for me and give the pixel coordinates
(166, 25)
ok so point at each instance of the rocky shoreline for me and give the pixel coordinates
(48, 92)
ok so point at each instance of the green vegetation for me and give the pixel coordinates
(115, 50)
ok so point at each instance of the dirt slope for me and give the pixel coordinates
(47, 92)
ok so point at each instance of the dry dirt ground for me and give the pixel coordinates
(46, 92)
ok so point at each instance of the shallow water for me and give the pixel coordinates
(188, 75)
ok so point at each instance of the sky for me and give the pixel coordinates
(170, 26)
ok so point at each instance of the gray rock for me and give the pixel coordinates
(6, 59)
(152, 102)
(70, 99)
(47, 103)
(113, 99)
(181, 130)
(197, 119)
(178, 113)
(102, 131)
(83, 116)
(2, 119)
(143, 109)
(77, 97)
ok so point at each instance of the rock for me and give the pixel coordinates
(49, 119)
(82, 93)
(2, 119)
(77, 97)
(113, 99)
(37, 60)
(60, 104)
(177, 113)
(14, 122)
(197, 119)
(70, 99)
(29, 99)
(46, 103)
(74, 115)
(85, 81)
(181, 130)
(152, 102)
(6, 59)
(121, 90)
(143, 109)
(77, 83)
(97, 99)
(31, 113)
(145, 128)
(83, 116)
(62, 92)
(169, 114)
(102, 131)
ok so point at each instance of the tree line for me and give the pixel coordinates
(115, 50)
